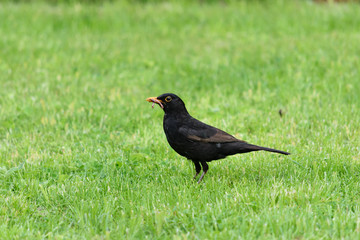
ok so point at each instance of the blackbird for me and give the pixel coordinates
(195, 140)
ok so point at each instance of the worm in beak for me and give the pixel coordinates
(155, 100)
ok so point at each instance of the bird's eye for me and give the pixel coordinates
(168, 99)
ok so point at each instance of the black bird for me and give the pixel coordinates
(196, 140)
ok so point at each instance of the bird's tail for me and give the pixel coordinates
(245, 147)
(259, 148)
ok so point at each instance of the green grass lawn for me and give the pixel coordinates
(83, 155)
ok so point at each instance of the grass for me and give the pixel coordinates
(83, 155)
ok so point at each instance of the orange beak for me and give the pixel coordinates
(155, 100)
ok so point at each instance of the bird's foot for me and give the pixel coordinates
(202, 176)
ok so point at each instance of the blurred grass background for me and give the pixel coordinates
(169, 1)
(83, 155)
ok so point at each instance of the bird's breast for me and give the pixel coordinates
(171, 130)
(176, 140)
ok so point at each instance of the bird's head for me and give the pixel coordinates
(169, 102)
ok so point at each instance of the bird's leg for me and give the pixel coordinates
(205, 167)
(197, 168)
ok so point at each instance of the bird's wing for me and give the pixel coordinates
(201, 132)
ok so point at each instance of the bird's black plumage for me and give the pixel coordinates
(195, 140)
